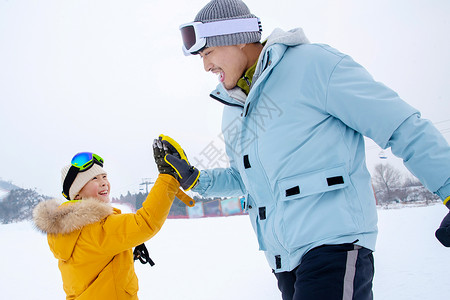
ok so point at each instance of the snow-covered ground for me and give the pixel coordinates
(217, 258)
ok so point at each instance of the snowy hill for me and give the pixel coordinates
(3, 194)
(5, 188)
(217, 258)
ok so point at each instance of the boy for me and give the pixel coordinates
(92, 240)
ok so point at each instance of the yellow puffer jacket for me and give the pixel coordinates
(93, 241)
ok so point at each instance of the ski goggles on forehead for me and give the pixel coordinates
(85, 160)
(81, 162)
(194, 34)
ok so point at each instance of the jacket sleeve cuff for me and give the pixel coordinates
(170, 180)
(444, 193)
(203, 183)
(447, 202)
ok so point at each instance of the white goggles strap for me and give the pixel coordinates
(227, 27)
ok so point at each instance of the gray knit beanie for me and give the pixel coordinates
(219, 10)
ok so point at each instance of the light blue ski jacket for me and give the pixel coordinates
(296, 148)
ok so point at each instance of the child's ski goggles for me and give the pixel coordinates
(84, 160)
(194, 34)
(80, 162)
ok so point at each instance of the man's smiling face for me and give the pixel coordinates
(228, 62)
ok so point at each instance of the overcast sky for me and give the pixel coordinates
(108, 76)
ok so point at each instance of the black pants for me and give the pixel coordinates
(330, 272)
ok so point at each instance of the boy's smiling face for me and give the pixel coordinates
(98, 187)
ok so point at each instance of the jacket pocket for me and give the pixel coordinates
(314, 207)
(311, 183)
(132, 286)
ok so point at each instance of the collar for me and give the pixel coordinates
(246, 81)
(52, 217)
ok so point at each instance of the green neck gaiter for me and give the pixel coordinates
(246, 81)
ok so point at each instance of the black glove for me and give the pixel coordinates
(443, 233)
(159, 152)
(176, 157)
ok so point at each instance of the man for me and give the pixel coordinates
(294, 119)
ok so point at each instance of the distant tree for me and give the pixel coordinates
(19, 205)
(140, 198)
(416, 191)
(411, 181)
(390, 185)
(387, 180)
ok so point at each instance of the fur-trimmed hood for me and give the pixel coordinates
(56, 217)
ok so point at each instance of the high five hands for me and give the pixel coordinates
(171, 159)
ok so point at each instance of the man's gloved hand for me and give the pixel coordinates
(159, 152)
(187, 175)
(443, 233)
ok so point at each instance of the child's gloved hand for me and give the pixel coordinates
(176, 157)
(159, 152)
(443, 233)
